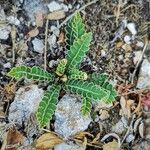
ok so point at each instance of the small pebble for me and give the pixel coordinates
(130, 138)
(13, 20)
(127, 39)
(54, 6)
(38, 45)
(131, 28)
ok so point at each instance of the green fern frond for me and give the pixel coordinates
(113, 93)
(61, 67)
(77, 74)
(98, 78)
(102, 80)
(74, 29)
(86, 89)
(48, 105)
(78, 50)
(35, 73)
(86, 106)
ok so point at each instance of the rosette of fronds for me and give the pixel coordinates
(68, 75)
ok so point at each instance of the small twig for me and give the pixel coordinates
(115, 136)
(129, 129)
(139, 61)
(13, 36)
(80, 9)
(135, 91)
(45, 50)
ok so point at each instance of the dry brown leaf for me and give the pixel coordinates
(111, 146)
(39, 19)
(127, 47)
(14, 138)
(83, 134)
(61, 37)
(33, 33)
(119, 44)
(95, 140)
(56, 15)
(126, 106)
(48, 141)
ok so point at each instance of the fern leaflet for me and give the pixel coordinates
(102, 80)
(86, 106)
(74, 29)
(85, 89)
(48, 105)
(77, 74)
(35, 73)
(78, 50)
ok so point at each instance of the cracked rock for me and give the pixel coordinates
(25, 103)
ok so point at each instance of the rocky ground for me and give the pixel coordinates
(120, 47)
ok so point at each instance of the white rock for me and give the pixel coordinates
(131, 28)
(32, 7)
(130, 138)
(4, 32)
(70, 6)
(70, 146)
(54, 6)
(140, 44)
(38, 45)
(64, 7)
(25, 103)
(13, 20)
(55, 30)
(121, 126)
(2, 14)
(137, 55)
(7, 65)
(52, 40)
(69, 119)
(144, 76)
(127, 39)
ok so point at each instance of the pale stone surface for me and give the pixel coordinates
(25, 103)
(69, 119)
(38, 45)
(70, 146)
(144, 76)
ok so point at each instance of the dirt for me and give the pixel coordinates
(108, 53)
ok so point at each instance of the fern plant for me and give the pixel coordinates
(67, 75)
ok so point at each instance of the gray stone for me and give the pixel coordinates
(52, 40)
(130, 138)
(144, 76)
(54, 6)
(38, 45)
(70, 146)
(69, 119)
(13, 20)
(25, 103)
(4, 32)
(121, 126)
(33, 7)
